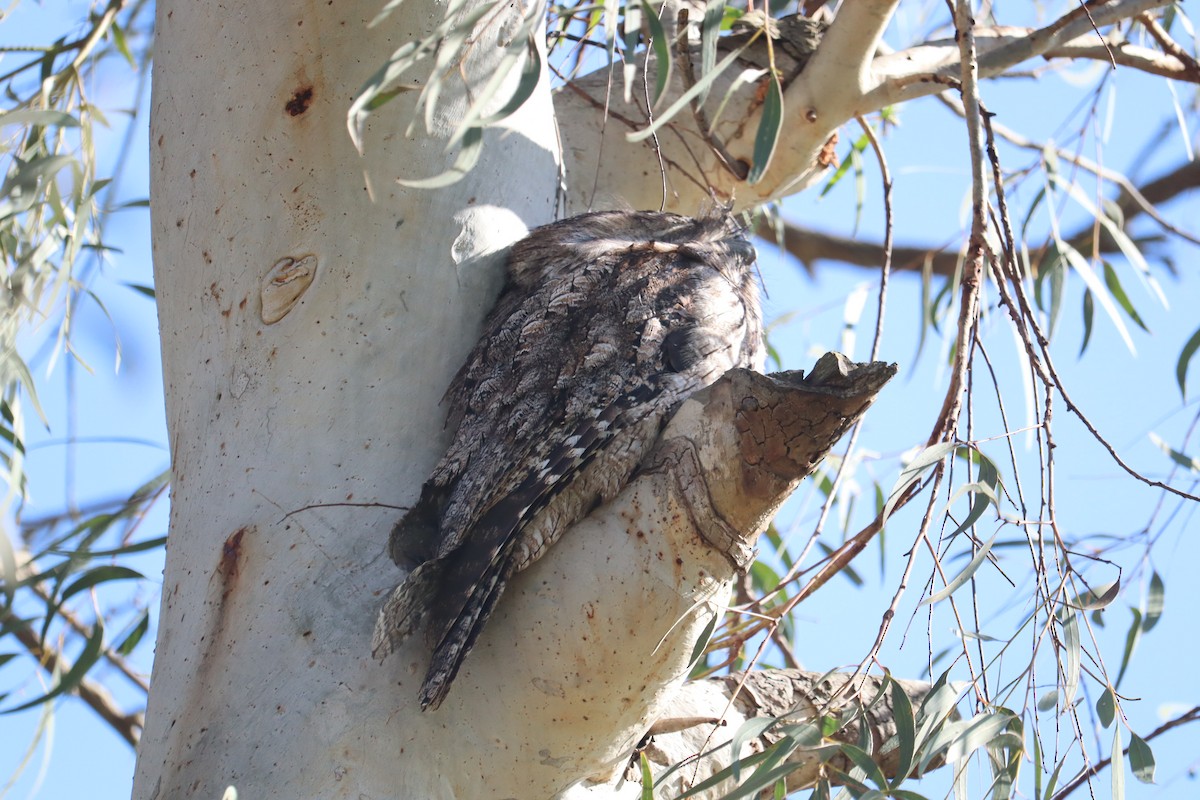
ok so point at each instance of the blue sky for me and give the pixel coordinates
(1126, 396)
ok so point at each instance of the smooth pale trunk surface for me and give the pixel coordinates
(263, 677)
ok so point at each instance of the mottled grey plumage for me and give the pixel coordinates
(606, 323)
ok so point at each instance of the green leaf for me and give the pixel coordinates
(531, 74)
(1106, 707)
(132, 639)
(906, 730)
(89, 656)
(468, 157)
(913, 471)
(809, 734)
(980, 730)
(717, 778)
(760, 780)
(862, 759)
(1141, 759)
(982, 496)
(662, 51)
(1005, 753)
(1117, 766)
(1053, 782)
(702, 640)
(710, 29)
(98, 575)
(1073, 647)
(1131, 641)
(1118, 292)
(1036, 758)
(8, 570)
(133, 547)
(748, 730)
(378, 88)
(39, 116)
(1155, 599)
(1057, 278)
(1126, 245)
(148, 291)
(769, 125)
(860, 144)
(385, 12)
(936, 708)
(1048, 700)
(122, 45)
(647, 778)
(1182, 459)
(1185, 357)
(702, 84)
(1098, 290)
(848, 572)
(28, 173)
(964, 576)
(1089, 315)
(1100, 597)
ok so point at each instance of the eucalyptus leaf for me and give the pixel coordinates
(769, 125)
(961, 578)
(1185, 358)
(1141, 759)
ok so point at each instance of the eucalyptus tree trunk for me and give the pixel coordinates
(312, 312)
(295, 443)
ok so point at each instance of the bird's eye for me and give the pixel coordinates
(678, 350)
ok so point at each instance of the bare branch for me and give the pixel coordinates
(811, 246)
(1132, 56)
(1170, 46)
(127, 726)
(914, 72)
(1191, 715)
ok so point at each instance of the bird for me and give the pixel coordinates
(607, 321)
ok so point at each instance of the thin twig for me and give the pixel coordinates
(886, 269)
(736, 167)
(134, 677)
(127, 726)
(1191, 715)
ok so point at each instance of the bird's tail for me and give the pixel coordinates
(407, 607)
(464, 629)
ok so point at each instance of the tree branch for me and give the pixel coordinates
(127, 726)
(706, 715)
(811, 246)
(918, 71)
(843, 79)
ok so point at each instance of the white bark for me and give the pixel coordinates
(263, 677)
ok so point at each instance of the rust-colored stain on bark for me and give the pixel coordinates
(301, 100)
(231, 551)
